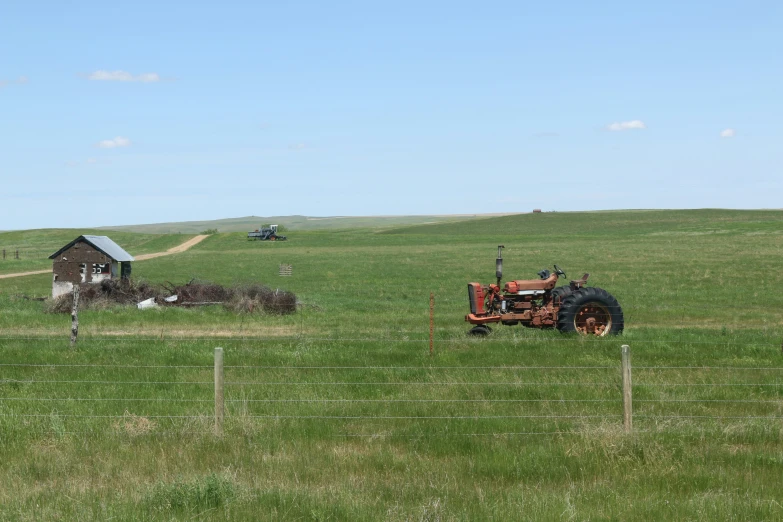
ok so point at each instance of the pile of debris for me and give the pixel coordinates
(248, 298)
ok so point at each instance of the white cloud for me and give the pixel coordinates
(728, 133)
(626, 125)
(119, 141)
(123, 76)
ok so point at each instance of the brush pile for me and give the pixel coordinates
(247, 298)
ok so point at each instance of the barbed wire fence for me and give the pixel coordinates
(385, 401)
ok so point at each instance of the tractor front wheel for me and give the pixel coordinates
(481, 330)
(590, 311)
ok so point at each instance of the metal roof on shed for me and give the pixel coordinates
(102, 244)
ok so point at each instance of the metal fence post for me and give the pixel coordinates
(627, 396)
(219, 404)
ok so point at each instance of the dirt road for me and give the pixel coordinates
(175, 250)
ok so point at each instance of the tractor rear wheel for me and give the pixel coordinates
(560, 292)
(590, 311)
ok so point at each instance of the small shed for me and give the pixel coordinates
(88, 259)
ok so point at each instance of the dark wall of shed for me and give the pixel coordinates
(66, 266)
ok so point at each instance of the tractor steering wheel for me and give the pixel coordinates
(559, 271)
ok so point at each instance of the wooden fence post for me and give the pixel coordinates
(627, 396)
(219, 403)
(75, 314)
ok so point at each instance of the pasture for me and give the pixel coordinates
(339, 412)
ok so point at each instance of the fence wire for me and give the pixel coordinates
(399, 396)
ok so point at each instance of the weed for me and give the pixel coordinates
(209, 492)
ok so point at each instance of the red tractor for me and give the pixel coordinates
(540, 303)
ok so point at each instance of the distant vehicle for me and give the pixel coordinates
(266, 234)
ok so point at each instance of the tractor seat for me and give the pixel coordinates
(512, 287)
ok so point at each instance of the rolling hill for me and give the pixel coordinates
(247, 223)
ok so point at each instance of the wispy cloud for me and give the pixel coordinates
(626, 125)
(298, 146)
(19, 81)
(123, 76)
(119, 141)
(728, 133)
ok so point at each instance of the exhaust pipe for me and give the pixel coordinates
(499, 264)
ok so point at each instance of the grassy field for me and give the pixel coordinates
(338, 412)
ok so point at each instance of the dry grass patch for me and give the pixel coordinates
(134, 425)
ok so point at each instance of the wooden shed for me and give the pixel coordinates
(88, 259)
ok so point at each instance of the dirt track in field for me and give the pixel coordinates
(174, 250)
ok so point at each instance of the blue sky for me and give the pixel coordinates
(172, 111)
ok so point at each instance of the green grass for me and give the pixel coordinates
(532, 426)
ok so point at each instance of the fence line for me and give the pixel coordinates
(299, 338)
(419, 383)
(50, 381)
(347, 407)
(124, 366)
(713, 417)
(366, 417)
(283, 367)
(81, 416)
(332, 383)
(344, 401)
(381, 401)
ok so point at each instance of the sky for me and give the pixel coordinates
(116, 113)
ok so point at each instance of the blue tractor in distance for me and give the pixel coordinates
(266, 234)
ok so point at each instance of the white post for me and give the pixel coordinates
(219, 404)
(75, 314)
(627, 396)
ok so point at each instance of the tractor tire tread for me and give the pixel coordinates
(559, 293)
(572, 302)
